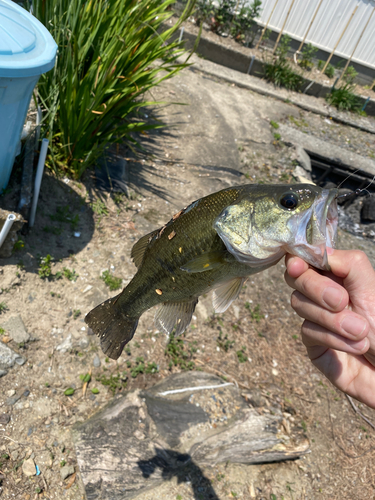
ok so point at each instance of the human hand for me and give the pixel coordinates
(339, 312)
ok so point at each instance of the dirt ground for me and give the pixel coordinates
(222, 138)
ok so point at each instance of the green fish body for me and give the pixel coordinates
(215, 244)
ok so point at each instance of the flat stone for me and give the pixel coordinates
(66, 471)
(13, 400)
(28, 467)
(16, 329)
(4, 418)
(2, 373)
(96, 361)
(66, 345)
(9, 358)
(303, 159)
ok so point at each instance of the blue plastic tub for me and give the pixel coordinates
(26, 51)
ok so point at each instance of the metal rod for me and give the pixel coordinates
(356, 45)
(251, 65)
(339, 40)
(308, 29)
(365, 104)
(282, 29)
(266, 25)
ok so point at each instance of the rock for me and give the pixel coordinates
(66, 471)
(166, 431)
(84, 343)
(13, 400)
(2, 373)
(4, 418)
(96, 361)
(8, 357)
(303, 159)
(66, 345)
(302, 175)
(28, 467)
(368, 209)
(11, 393)
(16, 329)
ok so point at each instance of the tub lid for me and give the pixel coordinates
(26, 46)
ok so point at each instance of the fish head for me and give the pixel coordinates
(266, 222)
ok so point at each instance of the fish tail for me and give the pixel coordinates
(112, 325)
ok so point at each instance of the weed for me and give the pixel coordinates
(304, 425)
(69, 392)
(95, 390)
(119, 50)
(114, 383)
(2, 331)
(277, 136)
(3, 307)
(344, 99)
(307, 54)
(20, 264)
(63, 214)
(19, 244)
(350, 75)
(99, 207)
(177, 354)
(45, 268)
(54, 294)
(70, 275)
(330, 71)
(295, 337)
(76, 313)
(255, 313)
(242, 358)
(62, 463)
(52, 230)
(274, 124)
(111, 281)
(320, 65)
(278, 69)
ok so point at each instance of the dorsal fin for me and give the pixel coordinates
(139, 248)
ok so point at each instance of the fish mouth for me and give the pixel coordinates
(316, 230)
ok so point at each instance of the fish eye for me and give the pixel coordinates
(289, 201)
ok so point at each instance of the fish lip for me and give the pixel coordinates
(316, 230)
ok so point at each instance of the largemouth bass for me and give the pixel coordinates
(215, 244)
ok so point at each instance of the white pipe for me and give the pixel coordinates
(6, 228)
(189, 389)
(38, 179)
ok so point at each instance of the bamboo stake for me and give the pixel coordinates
(355, 48)
(282, 29)
(308, 29)
(265, 27)
(339, 40)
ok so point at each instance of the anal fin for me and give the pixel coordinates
(226, 293)
(170, 314)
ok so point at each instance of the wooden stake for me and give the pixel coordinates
(339, 40)
(356, 45)
(308, 29)
(265, 27)
(282, 29)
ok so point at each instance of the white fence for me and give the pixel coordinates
(330, 22)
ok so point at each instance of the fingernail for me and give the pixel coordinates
(361, 346)
(332, 296)
(352, 325)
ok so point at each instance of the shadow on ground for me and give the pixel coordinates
(183, 468)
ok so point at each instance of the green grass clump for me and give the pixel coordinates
(278, 69)
(242, 358)
(307, 54)
(344, 99)
(274, 124)
(330, 71)
(177, 354)
(70, 275)
(111, 53)
(255, 313)
(111, 281)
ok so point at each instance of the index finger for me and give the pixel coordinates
(321, 289)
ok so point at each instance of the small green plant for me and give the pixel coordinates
(242, 358)
(113, 382)
(277, 136)
(304, 425)
(223, 341)
(274, 124)
(45, 267)
(62, 463)
(111, 281)
(205, 11)
(70, 275)
(2, 331)
(344, 99)
(85, 378)
(76, 313)
(19, 245)
(243, 22)
(307, 54)
(320, 65)
(278, 69)
(99, 207)
(255, 313)
(330, 71)
(69, 392)
(64, 214)
(178, 356)
(3, 307)
(95, 390)
(350, 75)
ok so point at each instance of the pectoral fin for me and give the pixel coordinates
(205, 262)
(226, 293)
(139, 249)
(170, 314)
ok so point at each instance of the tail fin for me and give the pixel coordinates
(114, 328)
